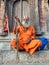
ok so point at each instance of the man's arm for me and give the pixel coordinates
(18, 21)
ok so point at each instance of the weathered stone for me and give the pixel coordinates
(22, 57)
(9, 57)
(1, 58)
(5, 46)
(13, 64)
(38, 57)
(35, 64)
(5, 42)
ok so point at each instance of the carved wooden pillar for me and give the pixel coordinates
(2, 11)
(32, 11)
(9, 5)
(41, 15)
(37, 24)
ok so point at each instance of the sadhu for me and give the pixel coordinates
(27, 40)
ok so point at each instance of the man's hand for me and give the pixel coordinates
(16, 19)
(29, 40)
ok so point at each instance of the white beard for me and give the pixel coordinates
(26, 24)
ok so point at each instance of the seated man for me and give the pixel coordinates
(26, 40)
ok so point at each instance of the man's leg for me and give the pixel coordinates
(32, 50)
(32, 46)
(13, 43)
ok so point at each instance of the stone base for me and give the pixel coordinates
(38, 58)
(5, 42)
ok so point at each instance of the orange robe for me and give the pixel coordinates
(24, 37)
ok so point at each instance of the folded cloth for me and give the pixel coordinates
(44, 42)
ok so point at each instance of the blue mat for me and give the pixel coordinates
(44, 42)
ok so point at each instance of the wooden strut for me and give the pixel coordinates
(16, 24)
(17, 37)
(17, 43)
(17, 30)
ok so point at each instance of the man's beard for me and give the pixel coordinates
(26, 24)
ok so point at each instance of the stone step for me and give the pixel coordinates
(28, 64)
(5, 42)
(7, 38)
(38, 58)
(5, 45)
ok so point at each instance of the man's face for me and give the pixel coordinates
(26, 23)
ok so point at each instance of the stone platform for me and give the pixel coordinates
(10, 57)
(23, 58)
(5, 42)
